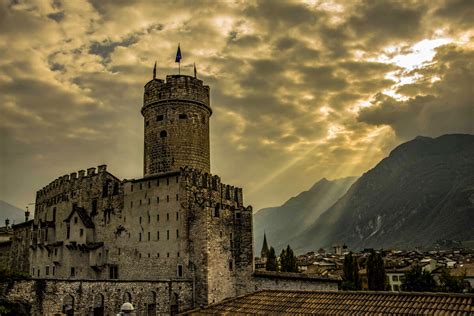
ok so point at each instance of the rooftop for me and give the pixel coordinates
(343, 303)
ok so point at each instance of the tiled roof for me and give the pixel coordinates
(342, 303)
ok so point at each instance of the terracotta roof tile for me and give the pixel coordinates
(287, 302)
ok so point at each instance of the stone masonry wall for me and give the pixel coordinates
(221, 239)
(58, 246)
(290, 281)
(50, 297)
(176, 118)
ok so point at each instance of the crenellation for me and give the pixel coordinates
(102, 168)
(90, 172)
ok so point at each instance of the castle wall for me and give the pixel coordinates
(58, 248)
(221, 246)
(266, 280)
(49, 297)
(154, 229)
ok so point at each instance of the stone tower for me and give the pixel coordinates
(176, 115)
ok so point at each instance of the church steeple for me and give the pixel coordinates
(265, 250)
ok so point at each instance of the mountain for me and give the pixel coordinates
(422, 192)
(288, 220)
(13, 213)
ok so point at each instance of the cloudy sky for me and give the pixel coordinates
(300, 90)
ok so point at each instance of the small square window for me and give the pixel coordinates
(160, 118)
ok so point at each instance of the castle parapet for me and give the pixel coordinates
(203, 180)
(176, 87)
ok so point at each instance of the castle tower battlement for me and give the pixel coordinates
(176, 87)
(176, 116)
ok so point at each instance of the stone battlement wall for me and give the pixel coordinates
(64, 183)
(203, 180)
(176, 87)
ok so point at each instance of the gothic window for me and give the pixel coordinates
(163, 134)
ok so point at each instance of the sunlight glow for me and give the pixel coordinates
(421, 52)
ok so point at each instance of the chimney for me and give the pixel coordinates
(7, 223)
(27, 215)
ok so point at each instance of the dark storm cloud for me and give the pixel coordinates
(460, 12)
(380, 22)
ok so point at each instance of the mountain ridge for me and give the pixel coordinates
(409, 193)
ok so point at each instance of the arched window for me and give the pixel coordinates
(127, 297)
(216, 210)
(68, 305)
(163, 134)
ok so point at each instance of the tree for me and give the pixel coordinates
(265, 250)
(450, 283)
(271, 264)
(376, 272)
(351, 280)
(288, 260)
(418, 280)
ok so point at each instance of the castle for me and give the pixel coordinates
(173, 240)
(177, 223)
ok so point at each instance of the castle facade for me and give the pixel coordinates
(177, 230)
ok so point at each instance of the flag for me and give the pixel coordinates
(178, 55)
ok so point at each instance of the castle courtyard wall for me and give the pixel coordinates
(48, 297)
